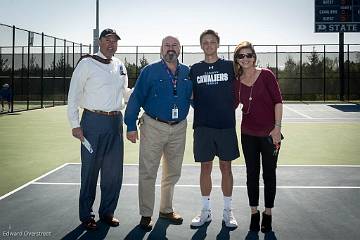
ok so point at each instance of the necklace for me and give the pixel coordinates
(250, 99)
(250, 95)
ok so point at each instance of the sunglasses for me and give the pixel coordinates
(247, 55)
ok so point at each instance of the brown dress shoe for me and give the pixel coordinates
(146, 223)
(173, 217)
(90, 224)
(111, 221)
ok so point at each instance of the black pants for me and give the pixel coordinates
(253, 148)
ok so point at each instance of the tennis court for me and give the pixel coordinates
(317, 196)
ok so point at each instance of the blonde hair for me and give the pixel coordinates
(243, 45)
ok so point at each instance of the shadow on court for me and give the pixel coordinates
(81, 233)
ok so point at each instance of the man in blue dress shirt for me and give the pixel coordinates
(163, 91)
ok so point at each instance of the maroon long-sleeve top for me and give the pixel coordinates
(258, 116)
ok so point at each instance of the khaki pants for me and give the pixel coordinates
(159, 139)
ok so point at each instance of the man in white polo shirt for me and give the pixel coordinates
(98, 85)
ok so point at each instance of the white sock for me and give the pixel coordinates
(206, 202)
(227, 203)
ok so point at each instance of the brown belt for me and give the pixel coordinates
(112, 113)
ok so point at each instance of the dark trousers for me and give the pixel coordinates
(256, 149)
(105, 134)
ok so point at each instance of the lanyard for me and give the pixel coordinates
(172, 77)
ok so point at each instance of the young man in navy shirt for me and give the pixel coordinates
(214, 124)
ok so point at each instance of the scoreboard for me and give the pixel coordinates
(337, 16)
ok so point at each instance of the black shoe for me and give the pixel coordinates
(266, 223)
(255, 222)
(90, 224)
(146, 223)
(110, 220)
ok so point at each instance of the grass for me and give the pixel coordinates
(35, 142)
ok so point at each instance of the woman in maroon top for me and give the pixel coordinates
(262, 110)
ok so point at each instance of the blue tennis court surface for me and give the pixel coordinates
(313, 202)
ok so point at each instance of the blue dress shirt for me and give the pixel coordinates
(154, 92)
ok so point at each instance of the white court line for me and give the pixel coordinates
(126, 164)
(32, 181)
(318, 165)
(197, 165)
(319, 118)
(297, 112)
(243, 165)
(215, 186)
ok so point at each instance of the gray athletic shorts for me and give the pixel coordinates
(211, 142)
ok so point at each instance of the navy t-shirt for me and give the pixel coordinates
(214, 95)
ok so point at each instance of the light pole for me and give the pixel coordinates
(96, 30)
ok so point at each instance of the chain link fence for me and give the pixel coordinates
(38, 67)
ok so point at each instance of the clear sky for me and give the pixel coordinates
(146, 22)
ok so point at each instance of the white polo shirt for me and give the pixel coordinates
(96, 86)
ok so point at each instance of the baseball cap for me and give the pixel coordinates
(108, 32)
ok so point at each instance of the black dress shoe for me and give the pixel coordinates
(146, 223)
(111, 221)
(90, 224)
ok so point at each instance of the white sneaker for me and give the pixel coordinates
(205, 216)
(229, 219)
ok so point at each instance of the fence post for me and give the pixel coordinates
(348, 73)
(13, 71)
(276, 62)
(301, 75)
(136, 60)
(73, 55)
(42, 72)
(22, 72)
(324, 74)
(64, 72)
(28, 74)
(341, 64)
(182, 53)
(54, 72)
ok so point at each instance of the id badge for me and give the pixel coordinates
(175, 113)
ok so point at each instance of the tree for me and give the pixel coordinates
(3, 66)
(314, 66)
(289, 78)
(314, 57)
(59, 67)
(143, 62)
(34, 67)
(133, 70)
(354, 69)
(290, 66)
